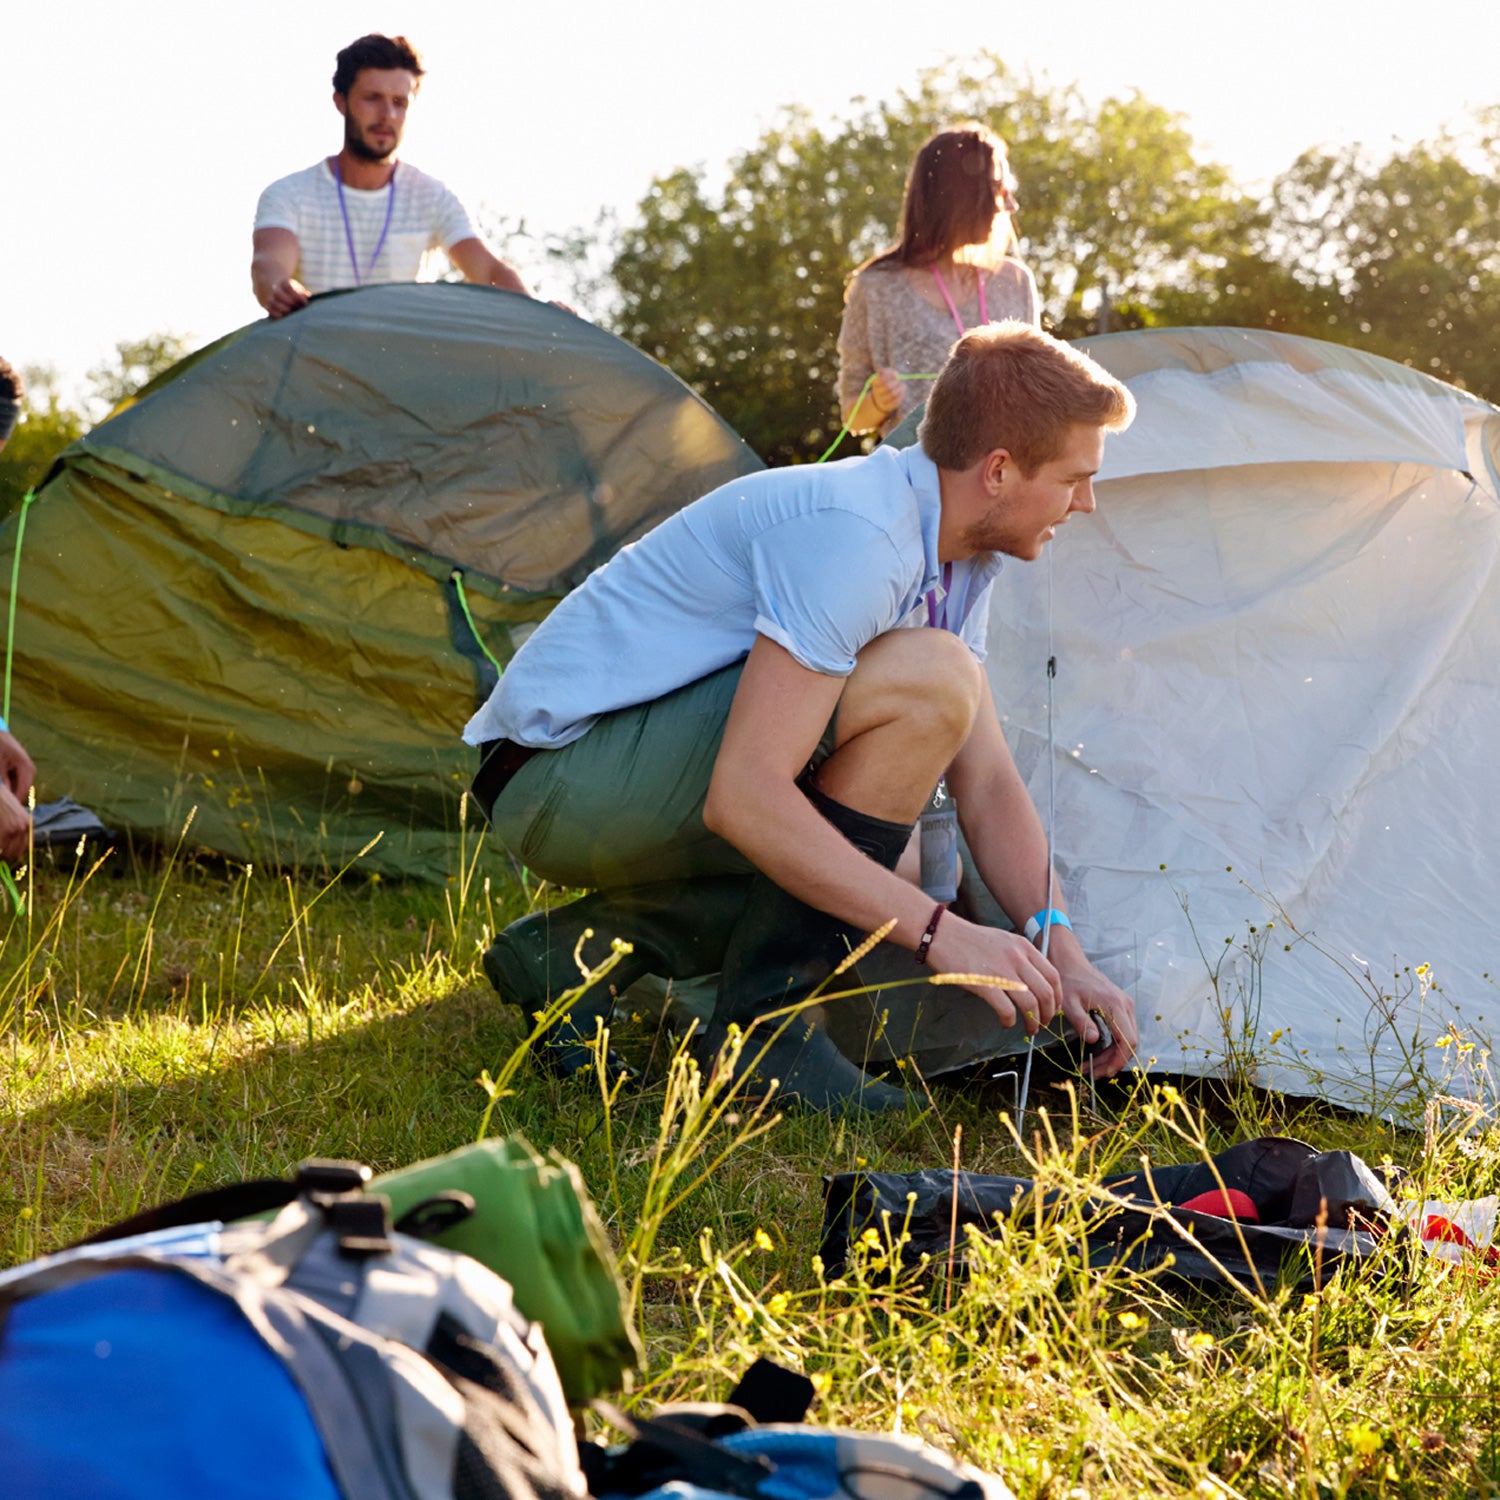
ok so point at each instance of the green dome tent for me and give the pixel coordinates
(271, 587)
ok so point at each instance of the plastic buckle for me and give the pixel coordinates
(320, 1175)
(363, 1226)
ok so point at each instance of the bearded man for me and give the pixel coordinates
(363, 217)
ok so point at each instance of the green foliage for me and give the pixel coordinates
(48, 423)
(136, 363)
(46, 427)
(740, 291)
(1400, 257)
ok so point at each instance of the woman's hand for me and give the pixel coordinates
(876, 403)
(885, 392)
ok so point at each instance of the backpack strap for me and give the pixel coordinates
(237, 1201)
(316, 1178)
(670, 1449)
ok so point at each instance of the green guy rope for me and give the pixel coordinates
(10, 624)
(864, 391)
(6, 879)
(463, 604)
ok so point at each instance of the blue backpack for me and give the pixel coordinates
(318, 1356)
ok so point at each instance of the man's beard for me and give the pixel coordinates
(358, 146)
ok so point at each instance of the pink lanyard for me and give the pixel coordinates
(984, 312)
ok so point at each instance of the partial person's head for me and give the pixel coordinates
(374, 82)
(11, 392)
(1025, 415)
(960, 195)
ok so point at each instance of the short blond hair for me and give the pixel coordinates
(1009, 385)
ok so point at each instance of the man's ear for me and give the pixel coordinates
(340, 103)
(994, 469)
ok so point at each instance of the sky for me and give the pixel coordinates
(143, 134)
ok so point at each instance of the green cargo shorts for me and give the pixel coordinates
(623, 805)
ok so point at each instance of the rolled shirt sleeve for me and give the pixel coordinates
(824, 587)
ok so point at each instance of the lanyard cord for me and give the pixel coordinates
(984, 317)
(390, 207)
(936, 620)
(984, 311)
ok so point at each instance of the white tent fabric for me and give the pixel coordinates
(1276, 713)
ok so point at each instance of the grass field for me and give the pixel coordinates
(170, 1022)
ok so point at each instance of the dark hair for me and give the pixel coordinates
(11, 390)
(950, 197)
(1009, 385)
(375, 51)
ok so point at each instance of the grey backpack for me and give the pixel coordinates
(399, 1371)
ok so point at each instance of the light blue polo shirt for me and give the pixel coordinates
(820, 558)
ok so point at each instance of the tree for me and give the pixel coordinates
(1400, 257)
(740, 292)
(48, 423)
(46, 427)
(137, 362)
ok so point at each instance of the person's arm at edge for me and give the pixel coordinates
(754, 804)
(17, 769)
(479, 264)
(15, 827)
(275, 253)
(17, 774)
(1009, 847)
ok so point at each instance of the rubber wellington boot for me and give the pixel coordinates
(677, 929)
(782, 949)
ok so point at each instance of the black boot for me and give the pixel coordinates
(782, 949)
(677, 929)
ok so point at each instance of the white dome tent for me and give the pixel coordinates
(1277, 699)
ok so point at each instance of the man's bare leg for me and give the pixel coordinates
(903, 714)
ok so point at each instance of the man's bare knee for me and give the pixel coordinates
(926, 674)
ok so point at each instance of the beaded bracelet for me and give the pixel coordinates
(930, 933)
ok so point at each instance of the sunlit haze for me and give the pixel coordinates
(141, 136)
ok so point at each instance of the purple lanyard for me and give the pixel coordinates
(984, 312)
(390, 207)
(934, 619)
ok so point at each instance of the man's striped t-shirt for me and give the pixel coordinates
(424, 218)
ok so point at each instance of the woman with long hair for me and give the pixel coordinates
(954, 268)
